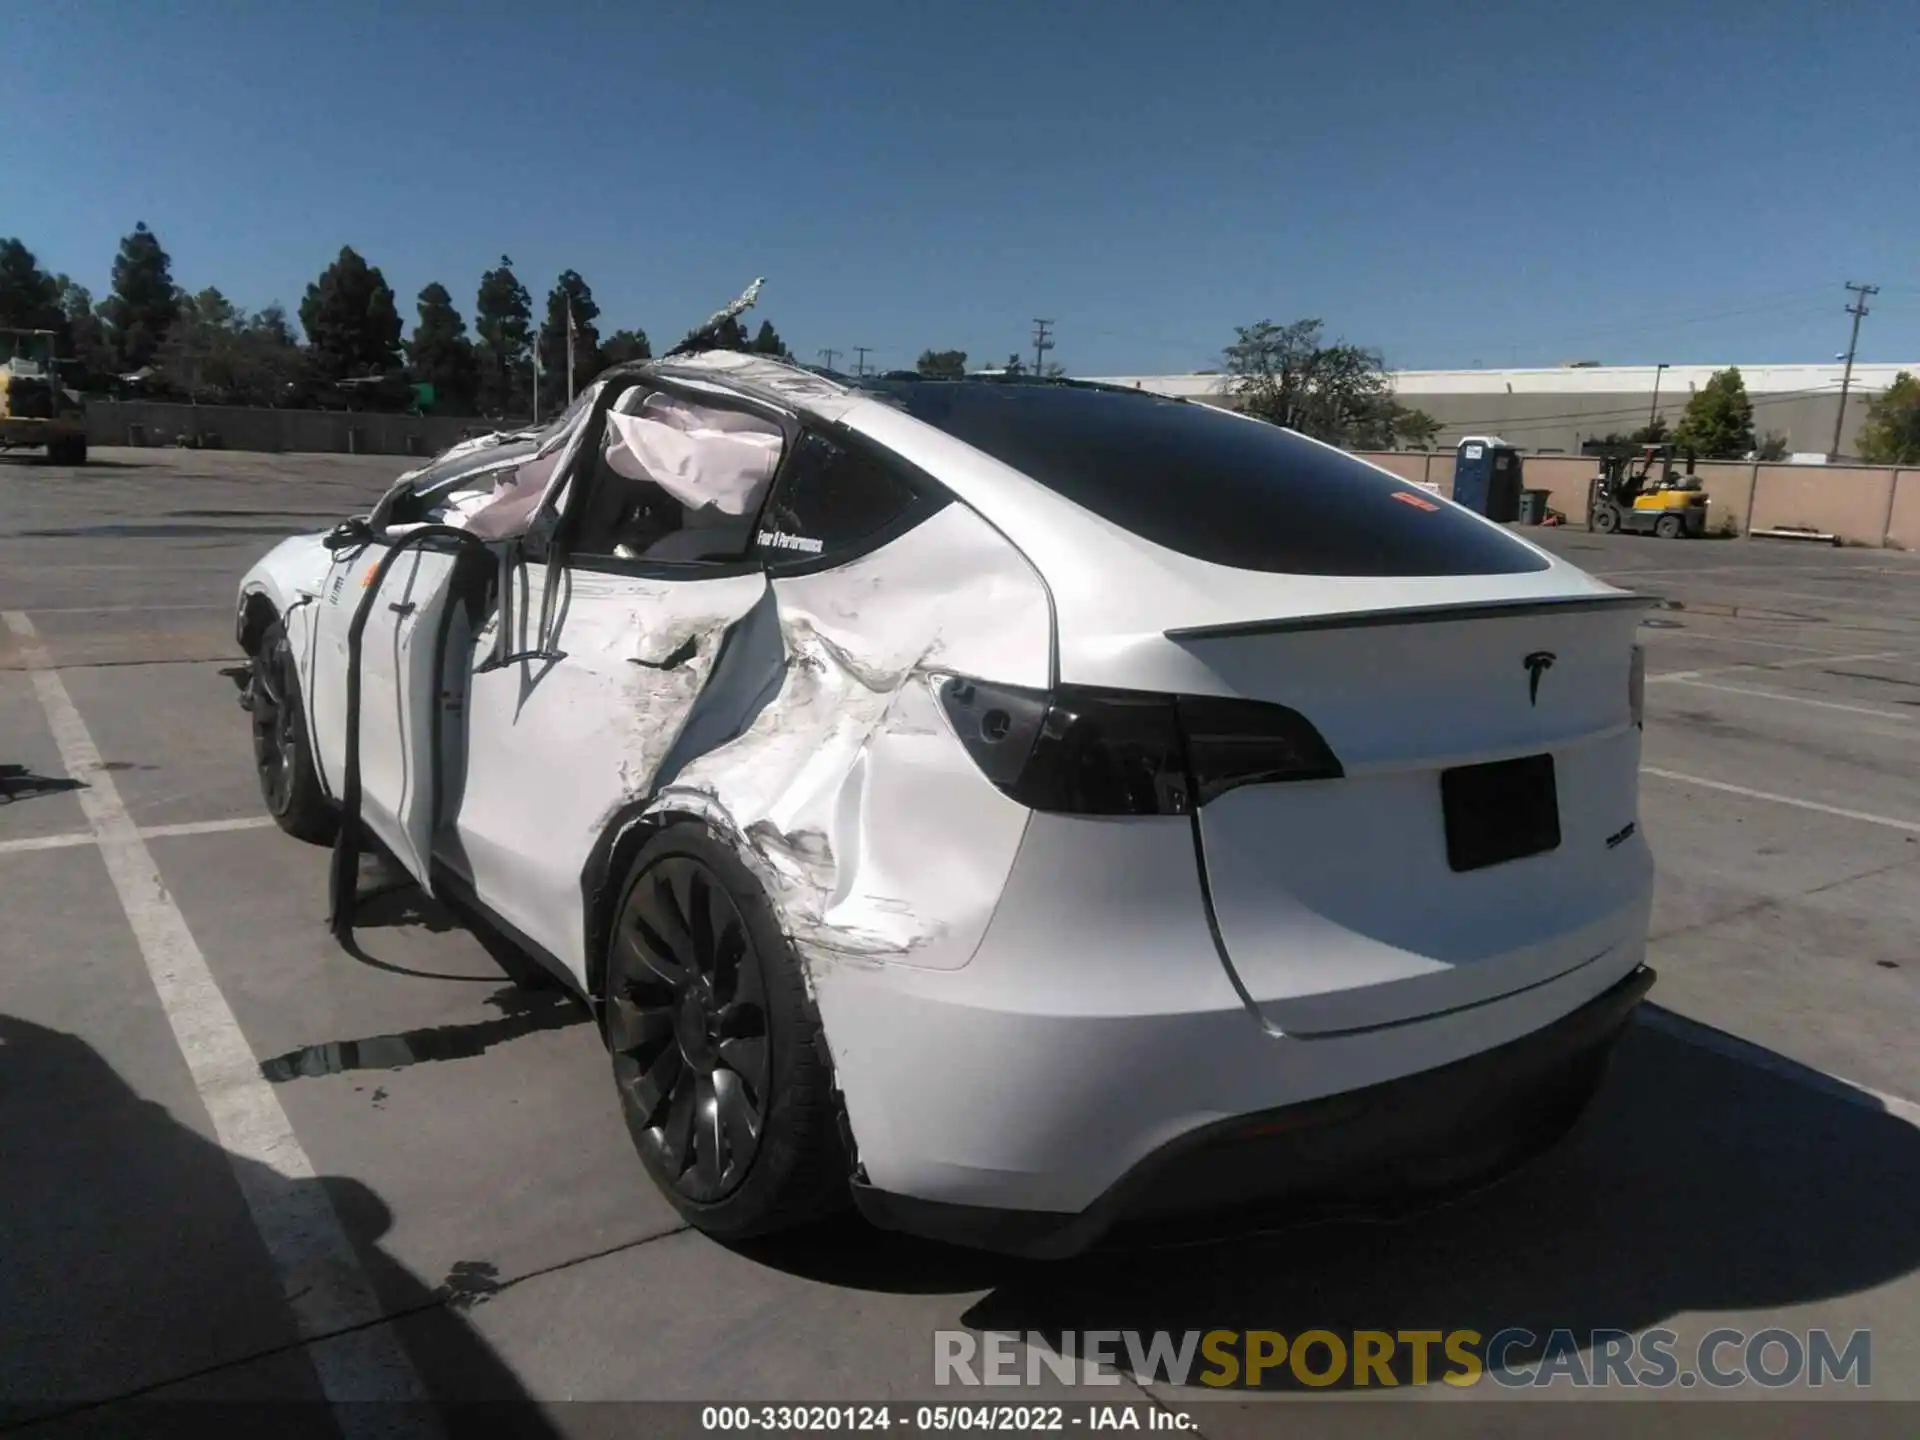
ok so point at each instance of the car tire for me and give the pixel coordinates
(1605, 520)
(289, 781)
(1668, 527)
(718, 1053)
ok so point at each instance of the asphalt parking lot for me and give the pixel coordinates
(1751, 1162)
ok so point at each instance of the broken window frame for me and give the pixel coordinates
(585, 463)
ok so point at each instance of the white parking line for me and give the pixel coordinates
(44, 842)
(150, 832)
(206, 827)
(1789, 699)
(1702, 637)
(120, 609)
(1823, 658)
(1911, 826)
(326, 1290)
(1760, 1058)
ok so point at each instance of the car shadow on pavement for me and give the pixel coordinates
(136, 1296)
(1696, 1182)
(19, 783)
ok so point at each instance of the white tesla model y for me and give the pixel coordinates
(1025, 808)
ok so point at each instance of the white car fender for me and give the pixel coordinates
(293, 570)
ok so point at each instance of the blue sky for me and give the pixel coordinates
(1491, 183)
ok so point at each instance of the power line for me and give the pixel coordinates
(1857, 309)
(1041, 344)
(828, 356)
(1534, 422)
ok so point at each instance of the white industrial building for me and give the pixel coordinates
(1554, 410)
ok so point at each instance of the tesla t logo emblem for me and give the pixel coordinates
(1538, 663)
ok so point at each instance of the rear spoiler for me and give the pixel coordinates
(1412, 615)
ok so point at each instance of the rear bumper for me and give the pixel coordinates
(1096, 1024)
(1375, 1151)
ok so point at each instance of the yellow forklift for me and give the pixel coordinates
(1627, 495)
(35, 407)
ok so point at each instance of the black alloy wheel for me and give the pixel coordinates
(275, 741)
(687, 1022)
(289, 783)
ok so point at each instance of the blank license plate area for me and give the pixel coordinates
(1499, 812)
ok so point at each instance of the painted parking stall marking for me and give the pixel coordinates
(354, 1356)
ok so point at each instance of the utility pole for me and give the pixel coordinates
(1857, 309)
(860, 365)
(1653, 410)
(828, 356)
(1041, 344)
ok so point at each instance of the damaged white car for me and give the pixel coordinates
(1025, 808)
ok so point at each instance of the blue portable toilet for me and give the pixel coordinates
(1486, 477)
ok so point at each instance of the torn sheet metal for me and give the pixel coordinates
(639, 653)
(816, 394)
(475, 467)
(876, 835)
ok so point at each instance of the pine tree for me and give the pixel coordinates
(767, 341)
(623, 347)
(352, 324)
(144, 303)
(441, 355)
(29, 297)
(553, 340)
(503, 318)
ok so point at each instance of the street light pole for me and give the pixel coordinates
(1653, 410)
(1857, 309)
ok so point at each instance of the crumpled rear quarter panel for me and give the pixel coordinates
(878, 838)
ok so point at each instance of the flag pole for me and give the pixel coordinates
(572, 340)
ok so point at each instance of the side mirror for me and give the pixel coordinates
(349, 533)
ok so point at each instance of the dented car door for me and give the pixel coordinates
(613, 652)
(399, 687)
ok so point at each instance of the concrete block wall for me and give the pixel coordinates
(239, 427)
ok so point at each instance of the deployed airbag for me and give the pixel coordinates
(699, 456)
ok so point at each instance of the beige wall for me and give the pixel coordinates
(1837, 500)
(1863, 504)
(1729, 487)
(1564, 480)
(1407, 464)
(1903, 523)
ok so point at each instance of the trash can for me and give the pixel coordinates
(1486, 477)
(1533, 506)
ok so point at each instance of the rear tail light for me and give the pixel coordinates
(1637, 686)
(1083, 751)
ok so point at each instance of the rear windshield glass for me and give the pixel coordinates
(1214, 486)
